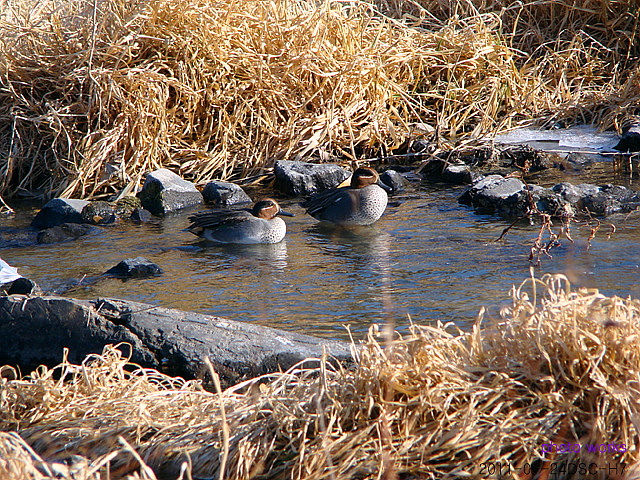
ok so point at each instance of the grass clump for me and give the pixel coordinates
(93, 94)
(436, 403)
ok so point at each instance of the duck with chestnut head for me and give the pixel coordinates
(261, 224)
(362, 202)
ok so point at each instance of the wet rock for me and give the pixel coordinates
(165, 192)
(599, 200)
(57, 211)
(67, 324)
(497, 194)
(63, 233)
(169, 340)
(575, 193)
(301, 179)
(98, 213)
(140, 215)
(545, 200)
(630, 139)
(440, 170)
(125, 206)
(224, 194)
(458, 174)
(21, 286)
(394, 180)
(524, 158)
(509, 197)
(138, 267)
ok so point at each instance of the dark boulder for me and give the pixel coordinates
(630, 139)
(496, 194)
(301, 179)
(138, 267)
(394, 180)
(140, 215)
(599, 200)
(38, 329)
(164, 191)
(510, 197)
(224, 194)
(169, 340)
(58, 211)
(439, 170)
(99, 213)
(21, 286)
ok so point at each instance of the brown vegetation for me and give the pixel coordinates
(93, 94)
(557, 367)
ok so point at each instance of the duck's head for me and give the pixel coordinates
(268, 209)
(365, 176)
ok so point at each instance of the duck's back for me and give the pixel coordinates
(237, 227)
(361, 206)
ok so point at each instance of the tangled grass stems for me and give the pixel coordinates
(558, 366)
(94, 93)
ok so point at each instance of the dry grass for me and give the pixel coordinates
(94, 93)
(556, 367)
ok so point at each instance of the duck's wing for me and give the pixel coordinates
(216, 218)
(324, 199)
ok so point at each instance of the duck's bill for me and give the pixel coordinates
(286, 214)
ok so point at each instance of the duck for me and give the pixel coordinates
(259, 224)
(362, 202)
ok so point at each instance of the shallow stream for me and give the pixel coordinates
(427, 259)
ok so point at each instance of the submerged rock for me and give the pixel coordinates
(63, 233)
(165, 192)
(301, 179)
(58, 211)
(140, 215)
(224, 194)
(138, 267)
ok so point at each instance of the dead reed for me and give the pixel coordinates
(94, 93)
(557, 367)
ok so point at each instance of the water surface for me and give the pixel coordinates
(427, 259)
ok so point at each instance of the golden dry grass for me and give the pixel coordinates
(94, 93)
(556, 367)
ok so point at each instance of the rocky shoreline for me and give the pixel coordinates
(37, 329)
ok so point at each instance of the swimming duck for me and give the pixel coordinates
(257, 225)
(361, 203)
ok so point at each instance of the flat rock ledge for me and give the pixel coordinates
(36, 329)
